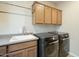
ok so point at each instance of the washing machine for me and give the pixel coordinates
(64, 44)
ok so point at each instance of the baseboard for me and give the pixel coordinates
(72, 54)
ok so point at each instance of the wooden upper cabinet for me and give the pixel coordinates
(39, 13)
(44, 14)
(48, 15)
(54, 16)
(59, 17)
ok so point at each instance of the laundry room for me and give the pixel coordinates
(39, 28)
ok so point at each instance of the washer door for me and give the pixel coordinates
(52, 49)
(64, 47)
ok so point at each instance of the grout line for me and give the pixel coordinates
(14, 13)
(17, 5)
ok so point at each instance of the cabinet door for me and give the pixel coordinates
(59, 17)
(54, 16)
(33, 14)
(48, 15)
(3, 50)
(20, 46)
(32, 52)
(20, 53)
(39, 13)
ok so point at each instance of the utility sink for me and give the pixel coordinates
(23, 38)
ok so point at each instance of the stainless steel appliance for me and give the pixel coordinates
(64, 44)
(48, 45)
(52, 47)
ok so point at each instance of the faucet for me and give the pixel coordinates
(24, 30)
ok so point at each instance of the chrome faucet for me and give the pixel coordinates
(24, 30)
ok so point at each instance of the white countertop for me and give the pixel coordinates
(17, 39)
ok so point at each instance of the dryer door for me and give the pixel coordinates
(64, 47)
(52, 49)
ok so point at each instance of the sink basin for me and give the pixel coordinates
(23, 38)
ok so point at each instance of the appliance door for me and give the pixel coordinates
(64, 47)
(51, 49)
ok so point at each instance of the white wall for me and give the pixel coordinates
(70, 23)
(12, 23)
